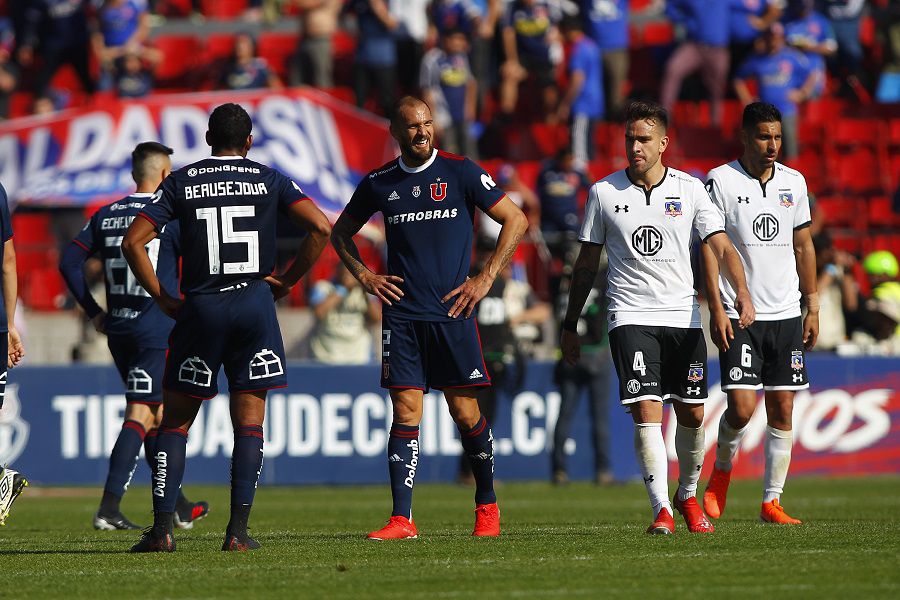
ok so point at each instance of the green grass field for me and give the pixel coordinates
(571, 541)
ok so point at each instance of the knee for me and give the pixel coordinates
(466, 416)
(690, 416)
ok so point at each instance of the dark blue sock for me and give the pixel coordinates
(403, 460)
(478, 444)
(170, 455)
(246, 463)
(124, 458)
(150, 449)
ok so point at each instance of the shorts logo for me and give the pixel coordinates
(646, 240)
(786, 199)
(797, 360)
(139, 381)
(438, 191)
(265, 363)
(633, 386)
(673, 208)
(765, 227)
(385, 370)
(693, 391)
(475, 374)
(695, 372)
(417, 191)
(736, 374)
(195, 371)
(797, 377)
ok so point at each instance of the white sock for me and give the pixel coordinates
(690, 443)
(778, 458)
(727, 444)
(650, 448)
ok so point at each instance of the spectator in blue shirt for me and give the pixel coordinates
(810, 32)
(606, 22)
(246, 71)
(58, 30)
(376, 53)
(747, 20)
(122, 27)
(704, 49)
(783, 78)
(844, 16)
(530, 38)
(583, 102)
(133, 76)
(450, 90)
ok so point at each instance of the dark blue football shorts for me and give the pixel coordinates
(431, 354)
(237, 329)
(140, 368)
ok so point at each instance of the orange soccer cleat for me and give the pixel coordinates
(693, 515)
(664, 524)
(716, 489)
(487, 520)
(397, 528)
(772, 512)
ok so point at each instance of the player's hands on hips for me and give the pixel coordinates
(168, 304)
(384, 287)
(470, 293)
(16, 349)
(744, 307)
(570, 346)
(810, 330)
(720, 329)
(99, 322)
(280, 288)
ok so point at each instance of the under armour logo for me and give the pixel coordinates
(798, 378)
(695, 391)
(624, 208)
(648, 479)
(744, 199)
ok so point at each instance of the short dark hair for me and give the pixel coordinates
(229, 127)
(141, 156)
(403, 103)
(759, 112)
(571, 23)
(641, 110)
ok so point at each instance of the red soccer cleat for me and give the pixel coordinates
(716, 489)
(772, 512)
(487, 520)
(663, 525)
(693, 515)
(397, 528)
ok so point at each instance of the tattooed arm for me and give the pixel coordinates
(584, 272)
(514, 224)
(385, 287)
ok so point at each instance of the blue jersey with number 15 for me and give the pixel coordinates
(428, 216)
(228, 209)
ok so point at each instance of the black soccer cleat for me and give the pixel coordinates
(184, 519)
(153, 540)
(113, 521)
(240, 542)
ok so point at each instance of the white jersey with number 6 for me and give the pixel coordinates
(648, 240)
(760, 218)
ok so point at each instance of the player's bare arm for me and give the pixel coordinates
(730, 264)
(513, 226)
(805, 256)
(307, 216)
(584, 274)
(719, 324)
(10, 291)
(140, 233)
(385, 287)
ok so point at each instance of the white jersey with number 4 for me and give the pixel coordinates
(648, 234)
(760, 218)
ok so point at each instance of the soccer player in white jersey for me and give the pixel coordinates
(645, 215)
(766, 210)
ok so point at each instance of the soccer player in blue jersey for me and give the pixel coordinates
(136, 329)
(227, 207)
(11, 482)
(428, 199)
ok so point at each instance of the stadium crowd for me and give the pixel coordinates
(536, 89)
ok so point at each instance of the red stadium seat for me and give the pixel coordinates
(858, 173)
(223, 9)
(848, 241)
(180, 55)
(842, 211)
(218, 46)
(658, 33)
(894, 133)
(824, 110)
(812, 166)
(173, 8)
(853, 133)
(881, 214)
(549, 138)
(277, 48)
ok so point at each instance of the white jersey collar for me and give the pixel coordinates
(421, 167)
(141, 194)
(226, 157)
